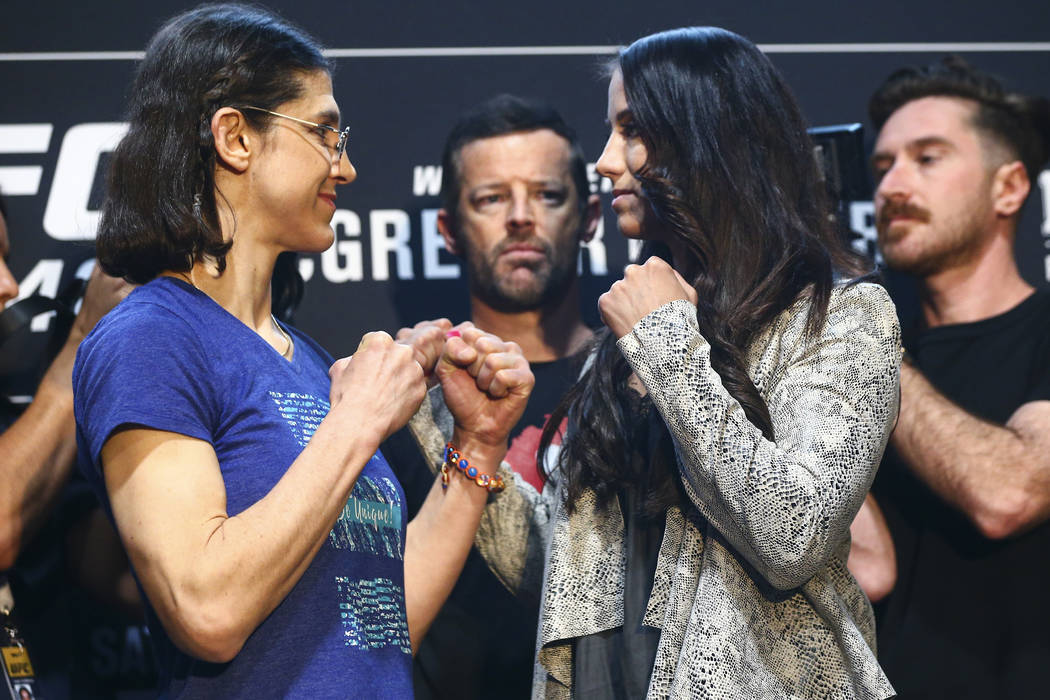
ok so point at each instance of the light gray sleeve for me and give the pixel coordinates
(784, 505)
(514, 530)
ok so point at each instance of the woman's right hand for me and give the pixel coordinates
(380, 386)
(427, 340)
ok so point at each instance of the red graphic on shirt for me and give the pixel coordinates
(523, 448)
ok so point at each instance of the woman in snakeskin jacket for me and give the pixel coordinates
(692, 537)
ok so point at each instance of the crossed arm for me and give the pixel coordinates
(998, 475)
(37, 451)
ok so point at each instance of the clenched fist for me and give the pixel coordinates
(427, 340)
(381, 381)
(643, 289)
(486, 382)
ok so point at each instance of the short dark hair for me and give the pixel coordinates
(160, 212)
(1020, 123)
(499, 116)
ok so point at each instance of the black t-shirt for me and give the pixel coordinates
(79, 647)
(617, 664)
(482, 643)
(967, 618)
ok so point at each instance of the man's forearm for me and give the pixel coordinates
(36, 456)
(983, 469)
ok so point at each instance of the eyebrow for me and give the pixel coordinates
(328, 117)
(499, 184)
(912, 145)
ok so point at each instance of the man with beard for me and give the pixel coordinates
(966, 485)
(517, 205)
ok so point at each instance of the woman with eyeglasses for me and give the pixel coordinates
(724, 433)
(239, 462)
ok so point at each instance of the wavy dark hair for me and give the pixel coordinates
(731, 175)
(160, 210)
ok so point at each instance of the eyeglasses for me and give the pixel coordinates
(324, 131)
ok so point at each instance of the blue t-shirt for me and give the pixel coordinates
(170, 358)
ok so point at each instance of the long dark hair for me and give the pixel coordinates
(160, 209)
(731, 175)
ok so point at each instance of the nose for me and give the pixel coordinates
(894, 184)
(343, 171)
(611, 164)
(8, 285)
(519, 214)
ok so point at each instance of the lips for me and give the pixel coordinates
(527, 252)
(523, 248)
(330, 198)
(622, 197)
(522, 254)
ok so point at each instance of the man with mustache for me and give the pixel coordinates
(516, 206)
(966, 485)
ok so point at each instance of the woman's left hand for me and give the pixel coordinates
(643, 289)
(486, 383)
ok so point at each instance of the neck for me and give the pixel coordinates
(976, 289)
(544, 334)
(681, 258)
(243, 289)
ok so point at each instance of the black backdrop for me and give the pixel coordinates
(404, 73)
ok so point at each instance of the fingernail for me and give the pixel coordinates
(452, 334)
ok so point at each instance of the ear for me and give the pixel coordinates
(1010, 187)
(591, 216)
(445, 226)
(233, 139)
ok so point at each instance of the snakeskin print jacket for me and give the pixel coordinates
(751, 592)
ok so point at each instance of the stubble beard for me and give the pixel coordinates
(550, 281)
(951, 244)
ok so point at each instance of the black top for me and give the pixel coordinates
(79, 647)
(617, 664)
(482, 644)
(967, 617)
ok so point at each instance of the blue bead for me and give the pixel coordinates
(472, 472)
(463, 464)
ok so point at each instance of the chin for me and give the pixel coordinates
(630, 227)
(317, 242)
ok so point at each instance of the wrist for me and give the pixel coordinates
(347, 418)
(486, 455)
(455, 462)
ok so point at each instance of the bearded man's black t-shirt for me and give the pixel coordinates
(968, 617)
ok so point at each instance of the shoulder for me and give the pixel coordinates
(862, 296)
(150, 317)
(860, 326)
(152, 333)
(852, 306)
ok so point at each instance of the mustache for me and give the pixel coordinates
(905, 209)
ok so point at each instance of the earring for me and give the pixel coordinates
(197, 205)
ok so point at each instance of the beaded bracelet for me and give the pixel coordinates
(454, 460)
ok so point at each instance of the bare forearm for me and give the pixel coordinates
(981, 468)
(439, 540)
(264, 550)
(872, 558)
(212, 578)
(36, 456)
